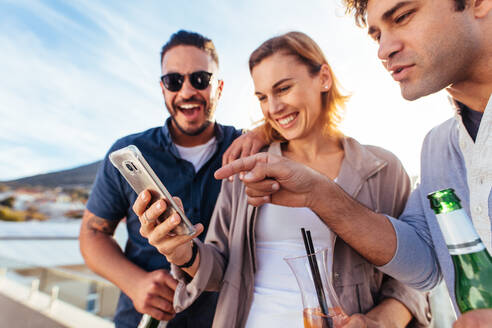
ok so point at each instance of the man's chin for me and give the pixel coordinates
(193, 130)
(411, 90)
(410, 94)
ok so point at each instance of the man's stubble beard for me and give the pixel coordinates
(195, 133)
(452, 57)
(209, 111)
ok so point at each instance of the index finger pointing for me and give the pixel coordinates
(239, 165)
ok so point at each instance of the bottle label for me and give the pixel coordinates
(144, 321)
(459, 233)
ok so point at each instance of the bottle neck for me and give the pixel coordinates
(459, 233)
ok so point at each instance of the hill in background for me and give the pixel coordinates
(82, 176)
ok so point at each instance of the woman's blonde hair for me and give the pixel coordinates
(304, 48)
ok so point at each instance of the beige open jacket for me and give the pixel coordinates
(372, 175)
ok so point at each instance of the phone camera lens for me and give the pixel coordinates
(129, 167)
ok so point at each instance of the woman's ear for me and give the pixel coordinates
(325, 78)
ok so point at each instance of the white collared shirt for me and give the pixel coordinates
(478, 160)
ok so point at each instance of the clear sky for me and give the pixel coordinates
(78, 75)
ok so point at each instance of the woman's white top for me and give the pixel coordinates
(277, 299)
(198, 155)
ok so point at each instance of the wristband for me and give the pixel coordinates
(194, 252)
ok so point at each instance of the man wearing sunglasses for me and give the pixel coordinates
(184, 153)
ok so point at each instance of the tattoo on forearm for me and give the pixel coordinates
(97, 224)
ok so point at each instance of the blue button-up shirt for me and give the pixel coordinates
(112, 197)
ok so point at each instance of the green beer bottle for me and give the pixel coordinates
(472, 262)
(148, 322)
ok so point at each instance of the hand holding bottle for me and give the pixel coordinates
(153, 294)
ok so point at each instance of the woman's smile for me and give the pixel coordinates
(287, 121)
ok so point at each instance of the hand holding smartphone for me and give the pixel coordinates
(138, 173)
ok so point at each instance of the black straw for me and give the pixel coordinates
(318, 284)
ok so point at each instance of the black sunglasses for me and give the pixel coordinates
(174, 81)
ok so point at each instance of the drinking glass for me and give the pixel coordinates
(321, 308)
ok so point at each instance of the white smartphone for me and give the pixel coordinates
(135, 169)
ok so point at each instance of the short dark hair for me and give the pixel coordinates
(194, 39)
(359, 9)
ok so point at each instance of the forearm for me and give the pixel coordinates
(104, 256)
(390, 313)
(370, 234)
